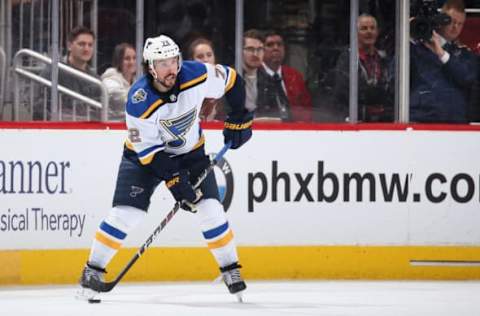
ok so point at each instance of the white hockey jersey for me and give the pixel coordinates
(170, 121)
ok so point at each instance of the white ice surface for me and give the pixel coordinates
(325, 298)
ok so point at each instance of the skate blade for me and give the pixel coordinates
(218, 279)
(85, 294)
(239, 296)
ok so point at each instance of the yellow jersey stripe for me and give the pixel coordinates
(129, 144)
(222, 241)
(152, 108)
(107, 241)
(231, 80)
(192, 82)
(147, 159)
(200, 142)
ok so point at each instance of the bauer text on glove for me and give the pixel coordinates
(237, 132)
(182, 190)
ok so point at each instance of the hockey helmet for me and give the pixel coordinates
(161, 47)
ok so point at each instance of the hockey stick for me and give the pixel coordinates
(100, 286)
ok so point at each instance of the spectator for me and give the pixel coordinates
(253, 51)
(119, 78)
(201, 50)
(442, 73)
(375, 103)
(80, 51)
(287, 96)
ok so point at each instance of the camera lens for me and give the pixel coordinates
(421, 29)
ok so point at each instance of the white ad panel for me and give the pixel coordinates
(281, 188)
(416, 188)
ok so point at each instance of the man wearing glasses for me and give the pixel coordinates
(252, 61)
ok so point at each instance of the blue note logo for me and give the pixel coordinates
(178, 127)
(135, 191)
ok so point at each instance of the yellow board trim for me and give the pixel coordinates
(107, 241)
(222, 241)
(28, 267)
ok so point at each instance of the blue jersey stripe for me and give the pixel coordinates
(217, 231)
(145, 152)
(112, 231)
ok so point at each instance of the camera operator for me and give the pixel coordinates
(442, 70)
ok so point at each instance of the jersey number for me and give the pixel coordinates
(134, 135)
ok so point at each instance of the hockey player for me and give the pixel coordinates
(165, 143)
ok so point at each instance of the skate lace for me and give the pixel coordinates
(93, 274)
(232, 276)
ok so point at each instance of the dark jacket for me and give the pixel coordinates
(439, 92)
(474, 109)
(298, 101)
(375, 96)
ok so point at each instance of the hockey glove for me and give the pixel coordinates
(237, 132)
(182, 190)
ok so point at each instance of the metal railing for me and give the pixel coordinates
(3, 72)
(18, 70)
(28, 24)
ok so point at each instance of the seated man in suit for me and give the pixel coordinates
(284, 93)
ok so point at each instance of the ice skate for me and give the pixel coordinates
(90, 274)
(233, 280)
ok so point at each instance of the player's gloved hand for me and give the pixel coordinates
(182, 190)
(237, 131)
(192, 206)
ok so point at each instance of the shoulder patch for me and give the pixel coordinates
(139, 96)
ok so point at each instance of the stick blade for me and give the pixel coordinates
(94, 300)
(102, 286)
